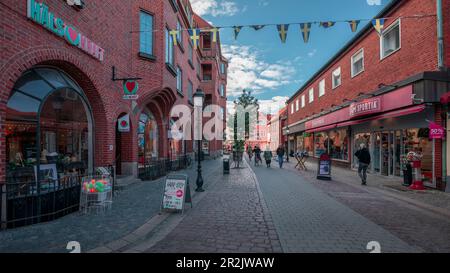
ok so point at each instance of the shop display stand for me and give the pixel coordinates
(96, 202)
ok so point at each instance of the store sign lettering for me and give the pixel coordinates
(318, 122)
(39, 13)
(436, 131)
(365, 107)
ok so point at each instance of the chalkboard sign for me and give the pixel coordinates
(324, 168)
(176, 193)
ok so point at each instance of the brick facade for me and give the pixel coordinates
(114, 26)
(417, 56)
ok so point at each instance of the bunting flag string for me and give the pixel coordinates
(305, 28)
(283, 30)
(378, 24)
(354, 25)
(195, 37)
(237, 30)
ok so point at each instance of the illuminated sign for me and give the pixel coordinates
(39, 13)
(365, 107)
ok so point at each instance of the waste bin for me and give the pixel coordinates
(226, 164)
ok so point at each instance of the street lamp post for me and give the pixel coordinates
(199, 97)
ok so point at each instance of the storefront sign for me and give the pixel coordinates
(365, 107)
(324, 168)
(39, 13)
(130, 89)
(436, 131)
(124, 124)
(176, 193)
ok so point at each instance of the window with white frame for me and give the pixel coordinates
(303, 101)
(358, 62)
(336, 78)
(292, 108)
(311, 95)
(390, 40)
(169, 48)
(297, 105)
(180, 80)
(322, 88)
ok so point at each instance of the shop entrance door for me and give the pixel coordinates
(387, 153)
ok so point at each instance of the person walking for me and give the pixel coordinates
(363, 156)
(268, 156)
(280, 154)
(257, 152)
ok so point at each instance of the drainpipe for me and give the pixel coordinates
(440, 35)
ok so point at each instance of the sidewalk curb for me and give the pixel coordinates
(128, 242)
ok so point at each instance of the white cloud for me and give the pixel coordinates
(247, 71)
(272, 106)
(312, 53)
(374, 2)
(214, 7)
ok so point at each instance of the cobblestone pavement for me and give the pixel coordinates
(414, 225)
(309, 220)
(231, 218)
(131, 208)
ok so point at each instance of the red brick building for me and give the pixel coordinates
(63, 93)
(380, 90)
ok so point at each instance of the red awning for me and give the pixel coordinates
(392, 114)
(323, 128)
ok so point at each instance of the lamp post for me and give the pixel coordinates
(199, 97)
(288, 146)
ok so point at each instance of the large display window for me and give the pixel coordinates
(147, 138)
(48, 127)
(335, 143)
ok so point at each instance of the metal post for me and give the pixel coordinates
(3, 219)
(199, 170)
(440, 35)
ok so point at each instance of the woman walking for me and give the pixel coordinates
(268, 156)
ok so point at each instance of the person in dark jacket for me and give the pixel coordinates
(363, 156)
(280, 154)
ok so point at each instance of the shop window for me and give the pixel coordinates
(390, 40)
(358, 63)
(147, 138)
(320, 143)
(47, 105)
(338, 144)
(146, 33)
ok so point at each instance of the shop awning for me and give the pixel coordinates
(392, 114)
(320, 129)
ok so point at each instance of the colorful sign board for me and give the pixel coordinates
(124, 124)
(40, 13)
(130, 89)
(436, 131)
(176, 193)
(365, 107)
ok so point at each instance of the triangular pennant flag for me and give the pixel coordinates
(214, 32)
(237, 30)
(305, 29)
(195, 36)
(354, 25)
(283, 31)
(258, 27)
(327, 24)
(378, 24)
(174, 34)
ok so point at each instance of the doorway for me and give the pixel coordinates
(118, 155)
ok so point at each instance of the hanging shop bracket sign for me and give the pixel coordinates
(130, 86)
(40, 13)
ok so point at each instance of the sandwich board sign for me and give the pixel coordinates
(324, 168)
(176, 193)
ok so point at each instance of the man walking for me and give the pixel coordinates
(363, 156)
(280, 154)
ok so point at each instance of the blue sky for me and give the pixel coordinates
(258, 59)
